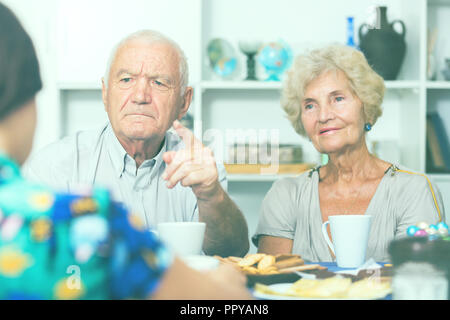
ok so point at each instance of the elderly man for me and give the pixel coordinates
(160, 174)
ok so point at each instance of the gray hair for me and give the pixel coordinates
(363, 80)
(152, 36)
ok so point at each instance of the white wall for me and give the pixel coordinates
(88, 30)
(38, 18)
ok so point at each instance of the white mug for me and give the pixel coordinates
(184, 238)
(350, 235)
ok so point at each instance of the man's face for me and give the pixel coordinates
(143, 95)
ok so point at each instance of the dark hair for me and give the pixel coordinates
(20, 78)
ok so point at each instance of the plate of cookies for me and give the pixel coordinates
(269, 269)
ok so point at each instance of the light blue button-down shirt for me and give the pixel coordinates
(96, 157)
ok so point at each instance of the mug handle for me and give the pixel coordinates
(327, 238)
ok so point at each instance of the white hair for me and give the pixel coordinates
(365, 83)
(152, 36)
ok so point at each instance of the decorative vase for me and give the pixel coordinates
(383, 46)
(250, 49)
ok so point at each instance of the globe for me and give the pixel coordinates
(225, 67)
(275, 57)
(222, 57)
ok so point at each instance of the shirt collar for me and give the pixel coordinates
(158, 159)
(116, 152)
(119, 155)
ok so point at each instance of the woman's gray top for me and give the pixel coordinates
(291, 210)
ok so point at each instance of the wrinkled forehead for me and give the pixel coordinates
(147, 58)
(327, 81)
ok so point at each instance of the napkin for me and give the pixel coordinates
(368, 265)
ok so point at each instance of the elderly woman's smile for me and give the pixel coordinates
(328, 131)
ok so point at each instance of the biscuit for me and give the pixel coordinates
(250, 259)
(266, 262)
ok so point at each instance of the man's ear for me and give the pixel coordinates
(104, 93)
(186, 102)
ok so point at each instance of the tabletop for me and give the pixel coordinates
(333, 268)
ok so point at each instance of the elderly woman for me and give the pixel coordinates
(75, 246)
(333, 97)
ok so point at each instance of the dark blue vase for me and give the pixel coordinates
(383, 46)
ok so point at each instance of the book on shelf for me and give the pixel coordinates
(438, 146)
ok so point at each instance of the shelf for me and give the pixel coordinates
(439, 177)
(262, 85)
(438, 2)
(238, 85)
(257, 178)
(255, 85)
(79, 86)
(251, 172)
(263, 169)
(402, 84)
(438, 85)
(232, 85)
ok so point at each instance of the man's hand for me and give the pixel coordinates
(226, 229)
(227, 275)
(194, 166)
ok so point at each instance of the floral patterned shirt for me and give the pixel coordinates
(72, 246)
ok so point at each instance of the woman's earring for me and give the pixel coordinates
(367, 126)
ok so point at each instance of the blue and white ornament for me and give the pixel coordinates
(422, 229)
(422, 225)
(411, 231)
(442, 225)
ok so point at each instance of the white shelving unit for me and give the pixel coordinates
(444, 85)
(217, 102)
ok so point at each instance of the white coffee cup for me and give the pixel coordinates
(350, 235)
(184, 238)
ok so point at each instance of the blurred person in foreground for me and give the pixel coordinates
(163, 175)
(332, 96)
(75, 246)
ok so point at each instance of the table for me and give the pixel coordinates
(332, 267)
